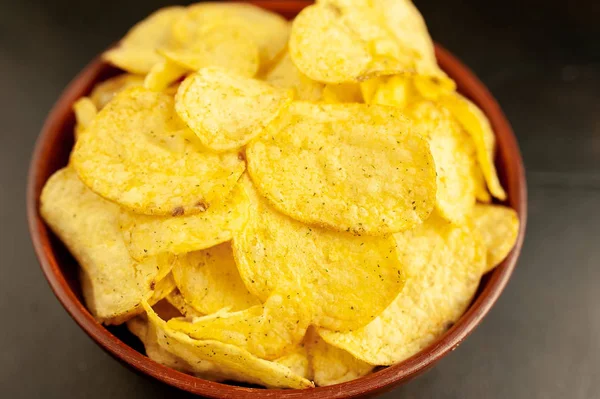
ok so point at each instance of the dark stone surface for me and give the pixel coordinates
(542, 61)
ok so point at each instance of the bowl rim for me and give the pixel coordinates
(385, 379)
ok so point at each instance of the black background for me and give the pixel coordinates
(541, 59)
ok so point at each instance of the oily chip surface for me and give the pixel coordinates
(348, 167)
(138, 154)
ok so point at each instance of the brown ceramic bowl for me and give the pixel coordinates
(51, 153)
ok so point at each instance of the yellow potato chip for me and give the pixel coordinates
(151, 235)
(297, 361)
(136, 52)
(219, 358)
(209, 281)
(105, 91)
(222, 46)
(499, 228)
(163, 74)
(331, 365)
(269, 31)
(85, 112)
(140, 155)
(481, 191)
(163, 288)
(227, 111)
(286, 75)
(176, 300)
(395, 91)
(349, 167)
(113, 284)
(342, 93)
(346, 280)
(444, 265)
(478, 126)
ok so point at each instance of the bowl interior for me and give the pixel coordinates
(52, 153)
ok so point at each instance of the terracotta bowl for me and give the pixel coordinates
(52, 151)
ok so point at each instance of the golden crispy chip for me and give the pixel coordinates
(286, 75)
(269, 31)
(209, 281)
(140, 155)
(331, 365)
(451, 149)
(136, 52)
(499, 228)
(347, 280)
(481, 191)
(478, 126)
(85, 112)
(297, 361)
(220, 359)
(444, 264)
(163, 74)
(227, 111)
(177, 300)
(223, 46)
(151, 235)
(113, 283)
(105, 91)
(396, 91)
(349, 167)
(163, 288)
(267, 331)
(343, 93)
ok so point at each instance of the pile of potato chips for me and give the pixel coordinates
(287, 204)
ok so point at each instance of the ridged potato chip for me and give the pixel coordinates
(286, 75)
(331, 365)
(222, 359)
(140, 155)
(85, 112)
(227, 111)
(113, 283)
(349, 167)
(136, 52)
(445, 263)
(151, 235)
(105, 91)
(346, 280)
(499, 228)
(209, 281)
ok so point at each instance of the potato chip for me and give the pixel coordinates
(499, 228)
(267, 331)
(346, 280)
(349, 167)
(297, 361)
(209, 281)
(227, 111)
(136, 52)
(444, 265)
(269, 31)
(105, 91)
(223, 359)
(113, 283)
(331, 365)
(178, 302)
(163, 74)
(342, 93)
(85, 112)
(151, 235)
(396, 91)
(163, 288)
(481, 191)
(478, 126)
(140, 155)
(222, 46)
(286, 75)
(451, 150)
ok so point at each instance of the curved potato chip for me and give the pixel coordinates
(113, 284)
(269, 31)
(481, 191)
(105, 91)
(451, 150)
(85, 112)
(136, 52)
(331, 365)
(355, 168)
(163, 288)
(177, 301)
(286, 75)
(226, 47)
(499, 228)
(209, 281)
(151, 235)
(297, 361)
(163, 74)
(346, 280)
(133, 154)
(478, 126)
(445, 263)
(227, 111)
(225, 360)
